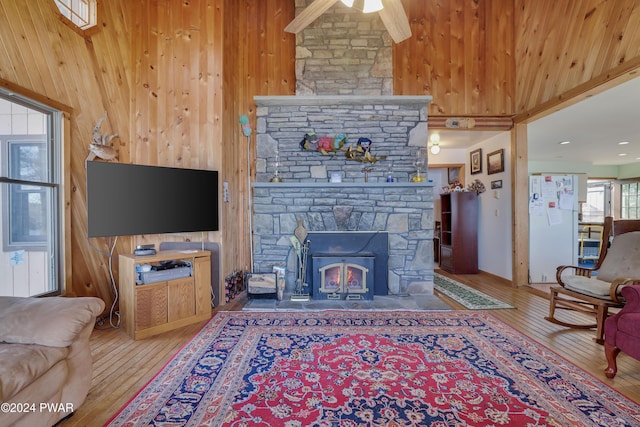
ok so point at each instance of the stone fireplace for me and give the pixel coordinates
(402, 210)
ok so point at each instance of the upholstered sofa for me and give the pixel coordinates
(45, 359)
(622, 330)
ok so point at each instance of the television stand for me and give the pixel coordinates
(154, 308)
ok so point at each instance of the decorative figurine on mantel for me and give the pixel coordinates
(330, 146)
(362, 152)
(365, 171)
(419, 162)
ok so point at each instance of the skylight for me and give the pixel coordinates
(80, 12)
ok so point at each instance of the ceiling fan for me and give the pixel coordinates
(391, 12)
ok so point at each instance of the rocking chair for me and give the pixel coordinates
(595, 290)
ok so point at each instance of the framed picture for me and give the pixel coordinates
(454, 175)
(495, 161)
(476, 161)
(496, 184)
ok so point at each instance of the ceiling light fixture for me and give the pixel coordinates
(565, 142)
(622, 154)
(435, 143)
(367, 6)
(623, 143)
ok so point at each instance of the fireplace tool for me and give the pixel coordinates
(302, 250)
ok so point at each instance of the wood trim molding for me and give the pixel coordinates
(470, 123)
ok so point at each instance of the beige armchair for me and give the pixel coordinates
(594, 291)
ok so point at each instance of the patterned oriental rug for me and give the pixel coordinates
(392, 368)
(470, 298)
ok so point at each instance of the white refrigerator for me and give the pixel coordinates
(553, 225)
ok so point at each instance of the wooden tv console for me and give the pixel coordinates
(150, 309)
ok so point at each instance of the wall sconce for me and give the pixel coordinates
(435, 143)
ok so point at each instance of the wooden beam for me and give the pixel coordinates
(470, 123)
(520, 205)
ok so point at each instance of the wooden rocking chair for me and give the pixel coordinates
(585, 291)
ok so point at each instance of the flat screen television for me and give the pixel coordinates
(127, 199)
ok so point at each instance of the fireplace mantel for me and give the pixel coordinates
(309, 100)
(340, 184)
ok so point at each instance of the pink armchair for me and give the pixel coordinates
(621, 331)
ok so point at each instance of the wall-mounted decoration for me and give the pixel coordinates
(330, 146)
(99, 146)
(495, 161)
(496, 184)
(476, 187)
(475, 159)
(454, 175)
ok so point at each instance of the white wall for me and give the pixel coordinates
(494, 231)
(495, 241)
(592, 171)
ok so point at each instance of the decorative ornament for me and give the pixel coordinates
(276, 176)
(477, 187)
(309, 140)
(330, 146)
(98, 146)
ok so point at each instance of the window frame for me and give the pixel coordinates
(71, 11)
(624, 207)
(57, 139)
(47, 189)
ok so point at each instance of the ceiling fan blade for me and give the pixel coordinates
(395, 20)
(307, 16)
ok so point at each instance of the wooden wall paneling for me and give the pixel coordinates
(563, 45)
(259, 60)
(235, 230)
(461, 53)
(60, 69)
(499, 59)
(178, 84)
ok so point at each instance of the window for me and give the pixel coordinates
(30, 141)
(26, 217)
(82, 13)
(630, 196)
(598, 202)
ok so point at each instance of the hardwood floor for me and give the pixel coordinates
(123, 366)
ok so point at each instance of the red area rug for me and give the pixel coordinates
(340, 368)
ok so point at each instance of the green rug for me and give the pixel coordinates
(467, 296)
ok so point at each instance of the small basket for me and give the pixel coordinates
(262, 285)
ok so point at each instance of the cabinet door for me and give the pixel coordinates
(181, 302)
(202, 276)
(151, 305)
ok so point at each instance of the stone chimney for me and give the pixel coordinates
(343, 52)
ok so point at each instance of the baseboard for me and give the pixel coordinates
(501, 280)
